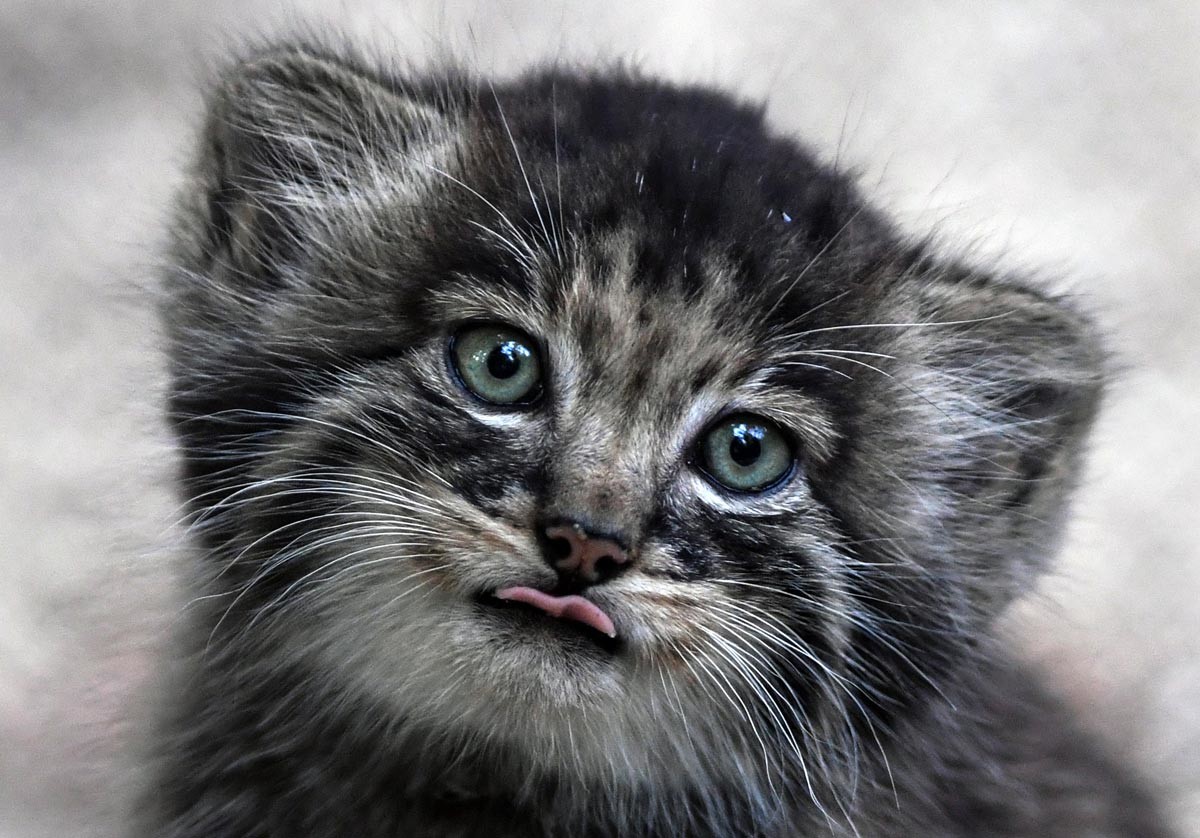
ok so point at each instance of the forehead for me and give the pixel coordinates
(686, 313)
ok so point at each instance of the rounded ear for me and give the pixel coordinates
(1029, 370)
(287, 130)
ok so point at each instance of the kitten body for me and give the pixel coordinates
(812, 653)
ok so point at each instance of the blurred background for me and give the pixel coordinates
(1061, 137)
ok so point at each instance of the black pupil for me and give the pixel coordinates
(745, 447)
(504, 360)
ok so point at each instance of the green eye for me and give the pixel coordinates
(746, 453)
(497, 363)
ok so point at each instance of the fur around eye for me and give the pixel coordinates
(746, 453)
(497, 363)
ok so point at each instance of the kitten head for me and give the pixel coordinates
(582, 418)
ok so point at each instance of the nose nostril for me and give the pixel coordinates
(605, 567)
(557, 548)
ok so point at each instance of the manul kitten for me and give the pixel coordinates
(576, 456)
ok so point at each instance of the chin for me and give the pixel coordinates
(482, 670)
(536, 667)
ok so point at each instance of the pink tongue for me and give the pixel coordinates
(569, 607)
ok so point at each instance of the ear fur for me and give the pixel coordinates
(287, 130)
(1030, 368)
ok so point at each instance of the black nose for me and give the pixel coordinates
(582, 556)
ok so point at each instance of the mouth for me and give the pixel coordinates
(570, 617)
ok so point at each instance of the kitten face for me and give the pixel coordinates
(693, 300)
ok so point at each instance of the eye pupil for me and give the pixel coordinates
(744, 446)
(502, 362)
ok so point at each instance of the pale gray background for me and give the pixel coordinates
(1057, 135)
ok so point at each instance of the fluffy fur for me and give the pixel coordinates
(816, 659)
